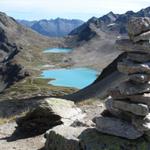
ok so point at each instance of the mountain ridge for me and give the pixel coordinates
(58, 27)
(111, 23)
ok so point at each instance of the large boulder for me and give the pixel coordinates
(63, 138)
(49, 113)
(117, 127)
(137, 109)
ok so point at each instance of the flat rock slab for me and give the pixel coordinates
(139, 57)
(129, 88)
(142, 37)
(117, 127)
(140, 98)
(89, 139)
(137, 109)
(113, 112)
(129, 67)
(138, 25)
(128, 46)
(140, 77)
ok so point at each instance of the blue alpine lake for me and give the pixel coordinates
(74, 77)
(58, 50)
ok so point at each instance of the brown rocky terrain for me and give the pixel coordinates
(20, 50)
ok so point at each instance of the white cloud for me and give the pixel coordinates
(69, 7)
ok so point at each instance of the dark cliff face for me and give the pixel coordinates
(86, 31)
(54, 27)
(12, 72)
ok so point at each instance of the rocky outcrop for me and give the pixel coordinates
(50, 112)
(82, 138)
(137, 69)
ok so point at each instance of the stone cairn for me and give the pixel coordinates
(127, 111)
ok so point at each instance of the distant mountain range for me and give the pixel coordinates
(113, 23)
(54, 27)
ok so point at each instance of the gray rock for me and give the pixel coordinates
(60, 138)
(111, 109)
(137, 109)
(130, 88)
(138, 25)
(117, 127)
(63, 138)
(142, 98)
(49, 113)
(142, 37)
(116, 112)
(129, 67)
(142, 123)
(128, 46)
(139, 57)
(139, 78)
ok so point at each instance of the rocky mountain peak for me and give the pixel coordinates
(109, 18)
(112, 23)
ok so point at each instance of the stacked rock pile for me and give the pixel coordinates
(127, 111)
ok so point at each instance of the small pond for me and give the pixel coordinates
(57, 50)
(74, 77)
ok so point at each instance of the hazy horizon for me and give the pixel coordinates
(68, 9)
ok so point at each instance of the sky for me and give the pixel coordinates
(70, 9)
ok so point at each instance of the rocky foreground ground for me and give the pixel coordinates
(78, 131)
(10, 141)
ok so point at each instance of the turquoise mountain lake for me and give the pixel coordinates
(58, 50)
(76, 77)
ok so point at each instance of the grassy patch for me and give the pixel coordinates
(31, 87)
(12, 118)
(90, 101)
